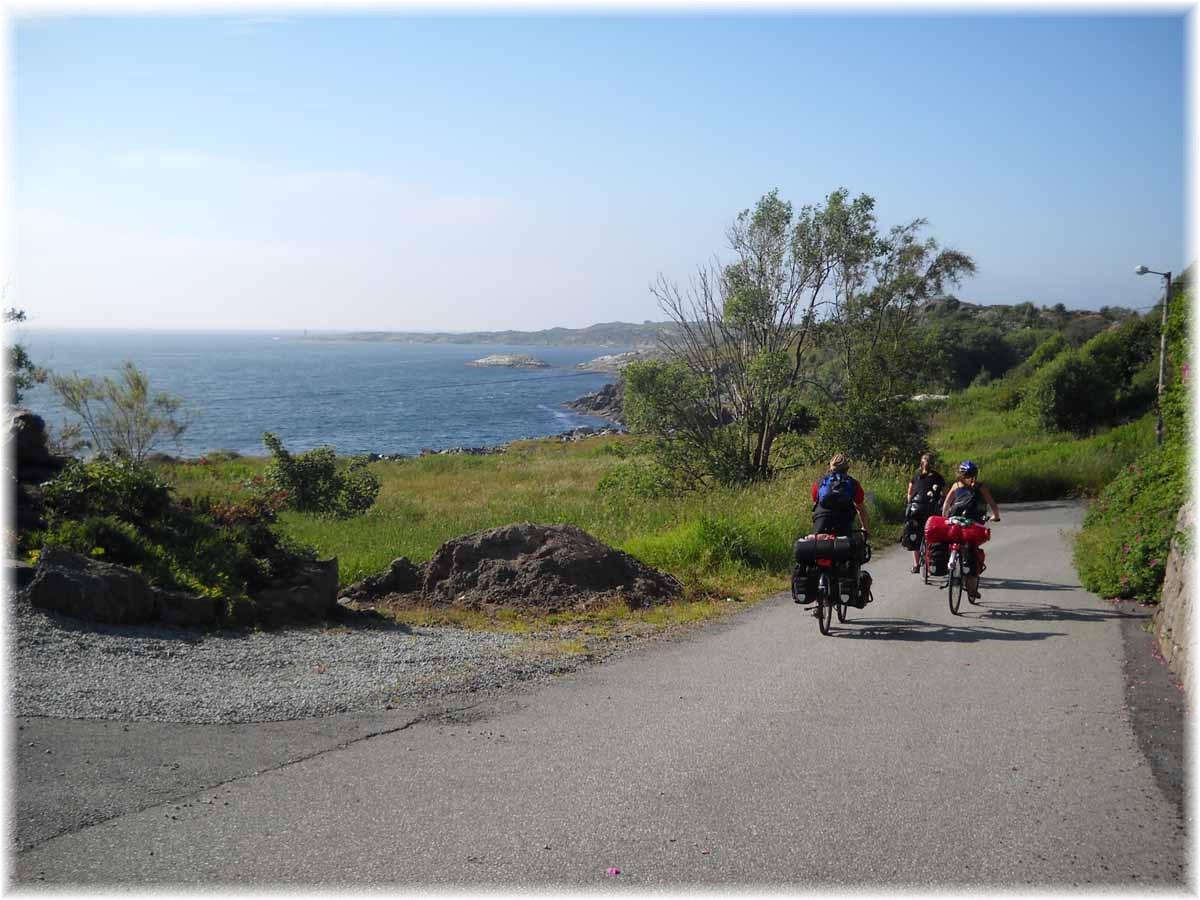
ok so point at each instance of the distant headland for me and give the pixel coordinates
(625, 335)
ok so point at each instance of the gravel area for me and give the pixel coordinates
(65, 668)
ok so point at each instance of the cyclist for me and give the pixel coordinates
(926, 487)
(969, 499)
(837, 497)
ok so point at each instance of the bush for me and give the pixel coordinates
(314, 485)
(1069, 394)
(871, 430)
(107, 487)
(117, 511)
(1127, 533)
(1122, 550)
(121, 416)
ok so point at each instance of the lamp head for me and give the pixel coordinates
(1141, 270)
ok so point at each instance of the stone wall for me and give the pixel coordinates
(1172, 620)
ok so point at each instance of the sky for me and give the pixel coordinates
(394, 169)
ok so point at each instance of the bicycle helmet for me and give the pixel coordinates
(966, 467)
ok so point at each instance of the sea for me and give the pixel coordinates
(355, 396)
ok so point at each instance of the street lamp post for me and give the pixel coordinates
(1162, 344)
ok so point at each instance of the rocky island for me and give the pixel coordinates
(615, 362)
(510, 361)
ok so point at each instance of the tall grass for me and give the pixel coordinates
(1019, 461)
(722, 541)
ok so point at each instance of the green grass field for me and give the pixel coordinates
(721, 542)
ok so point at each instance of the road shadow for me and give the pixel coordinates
(1039, 505)
(344, 619)
(916, 630)
(1048, 612)
(1021, 584)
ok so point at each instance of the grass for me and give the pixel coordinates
(1020, 462)
(724, 544)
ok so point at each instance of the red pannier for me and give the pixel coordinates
(939, 530)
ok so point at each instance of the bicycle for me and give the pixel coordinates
(923, 508)
(835, 590)
(955, 575)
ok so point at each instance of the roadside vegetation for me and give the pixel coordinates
(769, 375)
(1127, 534)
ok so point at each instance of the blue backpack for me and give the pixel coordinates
(836, 492)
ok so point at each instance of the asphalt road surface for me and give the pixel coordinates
(910, 748)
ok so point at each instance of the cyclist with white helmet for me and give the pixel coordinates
(968, 498)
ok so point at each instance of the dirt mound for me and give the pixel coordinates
(525, 565)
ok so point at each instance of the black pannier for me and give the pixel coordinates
(848, 549)
(913, 532)
(939, 557)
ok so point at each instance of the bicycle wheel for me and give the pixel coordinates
(954, 583)
(824, 604)
(840, 603)
(924, 561)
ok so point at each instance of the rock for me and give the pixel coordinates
(615, 362)
(89, 589)
(550, 566)
(20, 573)
(1172, 619)
(34, 464)
(311, 595)
(607, 403)
(402, 577)
(27, 433)
(185, 609)
(510, 361)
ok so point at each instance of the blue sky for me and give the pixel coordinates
(397, 170)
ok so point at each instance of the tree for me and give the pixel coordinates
(742, 367)
(878, 283)
(22, 373)
(733, 372)
(121, 417)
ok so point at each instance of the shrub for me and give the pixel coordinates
(1069, 394)
(314, 485)
(115, 510)
(871, 429)
(121, 415)
(107, 487)
(1122, 550)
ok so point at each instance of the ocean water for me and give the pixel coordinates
(354, 396)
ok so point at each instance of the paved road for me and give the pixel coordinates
(911, 747)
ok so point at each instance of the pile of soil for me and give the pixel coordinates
(549, 567)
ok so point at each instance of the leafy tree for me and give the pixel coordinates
(120, 416)
(879, 283)
(1109, 379)
(314, 485)
(22, 373)
(1082, 329)
(735, 361)
(744, 368)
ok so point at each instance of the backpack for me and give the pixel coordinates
(836, 492)
(968, 502)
